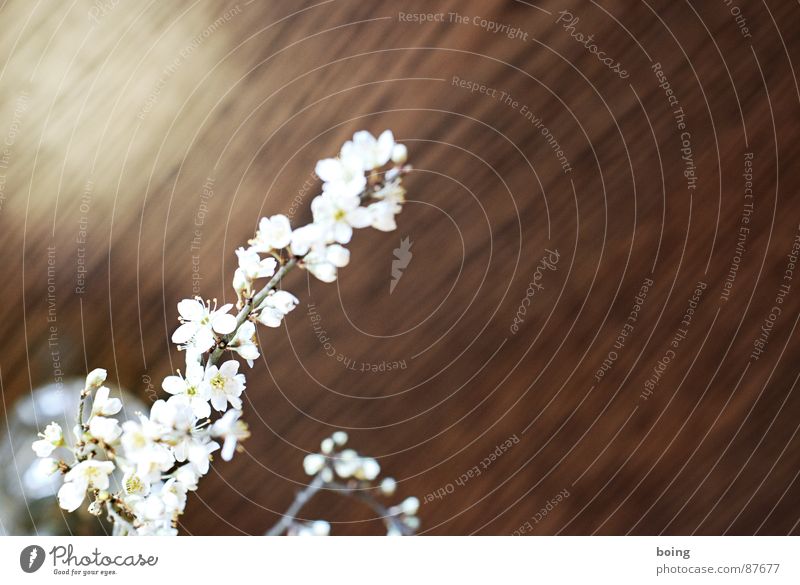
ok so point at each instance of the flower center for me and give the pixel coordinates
(339, 214)
(191, 390)
(134, 485)
(218, 381)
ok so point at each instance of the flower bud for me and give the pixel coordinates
(313, 463)
(410, 506)
(399, 154)
(96, 378)
(388, 486)
(339, 437)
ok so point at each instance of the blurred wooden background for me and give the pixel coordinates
(160, 132)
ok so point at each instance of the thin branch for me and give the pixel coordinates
(388, 518)
(250, 306)
(300, 500)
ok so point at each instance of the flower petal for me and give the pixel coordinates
(185, 332)
(191, 309)
(223, 323)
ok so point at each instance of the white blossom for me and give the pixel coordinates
(274, 233)
(104, 428)
(252, 266)
(338, 214)
(226, 385)
(342, 176)
(86, 474)
(200, 322)
(194, 386)
(324, 263)
(307, 237)
(373, 153)
(244, 343)
(231, 430)
(51, 438)
(103, 405)
(96, 378)
(275, 307)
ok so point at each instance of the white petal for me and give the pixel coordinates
(342, 232)
(191, 309)
(337, 255)
(203, 339)
(229, 368)
(228, 447)
(185, 332)
(219, 402)
(223, 323)
(70, 496)
(200, 408)
(174, 385)
(359, 217)
(384, 147)
(329, 169)
(43, 448)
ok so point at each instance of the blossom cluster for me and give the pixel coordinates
(161, 455)
(345, 471)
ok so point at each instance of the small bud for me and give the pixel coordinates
(327, 475)
(399, 154)
(370, 469)
(313, 463)
(327, 446)
(412, 522)
(320, 528)
(388, 486)
(340, 438)
(96, 378)
(410, 506)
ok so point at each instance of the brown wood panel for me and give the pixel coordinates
(116, 116)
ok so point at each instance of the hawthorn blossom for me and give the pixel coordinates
(231, 430)
(307, 237)
(244, 343)
(199, 322)
(274, 233)
(140, 442)
(324, 262)
(342, 176)
(197, 451)
(372, 152)
(52, 438)
(226, 385)
(338, 214)
(103, 405)
(275, 307)
(104, 428)
(86, 474)
(96, 378)
(194, 386)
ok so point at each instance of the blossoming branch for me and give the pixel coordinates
(162, 455)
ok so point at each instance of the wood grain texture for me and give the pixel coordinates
(164, 130)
